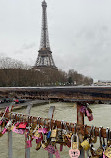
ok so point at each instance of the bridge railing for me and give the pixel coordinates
(49, 123)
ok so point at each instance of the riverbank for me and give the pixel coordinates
(34, 103)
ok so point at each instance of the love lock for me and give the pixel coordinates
(74, 151)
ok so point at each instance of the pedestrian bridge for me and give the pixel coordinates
(72, 93)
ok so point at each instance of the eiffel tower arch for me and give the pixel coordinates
(44, 59)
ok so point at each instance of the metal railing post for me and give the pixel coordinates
(10, 153)
(80, 121)
(27, 150)
(50, 115)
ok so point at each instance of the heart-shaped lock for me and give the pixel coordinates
(74, 153)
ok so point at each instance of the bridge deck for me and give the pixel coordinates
(74, 93)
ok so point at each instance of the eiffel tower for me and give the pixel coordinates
(44, 59)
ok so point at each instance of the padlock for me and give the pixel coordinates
(108, 152)
(40, 130)
(45, 130)
(74, 142)
(83, 109)
(6, 127)
(15, 130)
(53, 133)
(85, 144)
(48, 134)
(53, 139)
(90, 111)
(44, 145)
(50, 149)
(1, 122)
(99, 152)
(89, 115)
(38, 146)
(74, 152)
(61, 147)
(28, 142)
(36, 135)
(22, 125)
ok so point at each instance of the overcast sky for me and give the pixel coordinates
(79, 33)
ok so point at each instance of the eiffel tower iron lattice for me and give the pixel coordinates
(44, 59)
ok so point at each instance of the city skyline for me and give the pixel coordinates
(79, 33)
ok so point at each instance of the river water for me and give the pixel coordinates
(63, 111)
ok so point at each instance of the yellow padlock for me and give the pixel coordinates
(108, 152)
(53, 133)
(85, 144)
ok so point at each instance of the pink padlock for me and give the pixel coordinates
(18, 131)
(38, 140)
(4, 131)
(1, 122)
(104, 155)
(22, 125)
(61, 147)
(87, 113)
(50, 149)
(74, 153)
(91, 117)
(45, 130)
(29, 143)
(40, 130)
(83, 109)
(7, 109)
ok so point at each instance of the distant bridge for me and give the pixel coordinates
(72, 93)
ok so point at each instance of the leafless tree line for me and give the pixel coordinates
(16, 74)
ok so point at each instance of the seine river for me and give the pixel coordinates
(63, 111)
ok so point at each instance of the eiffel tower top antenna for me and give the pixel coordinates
(44, 58)
(44, 32)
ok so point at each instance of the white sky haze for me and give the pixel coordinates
(79, 33)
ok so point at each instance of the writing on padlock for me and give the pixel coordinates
(74, 152)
